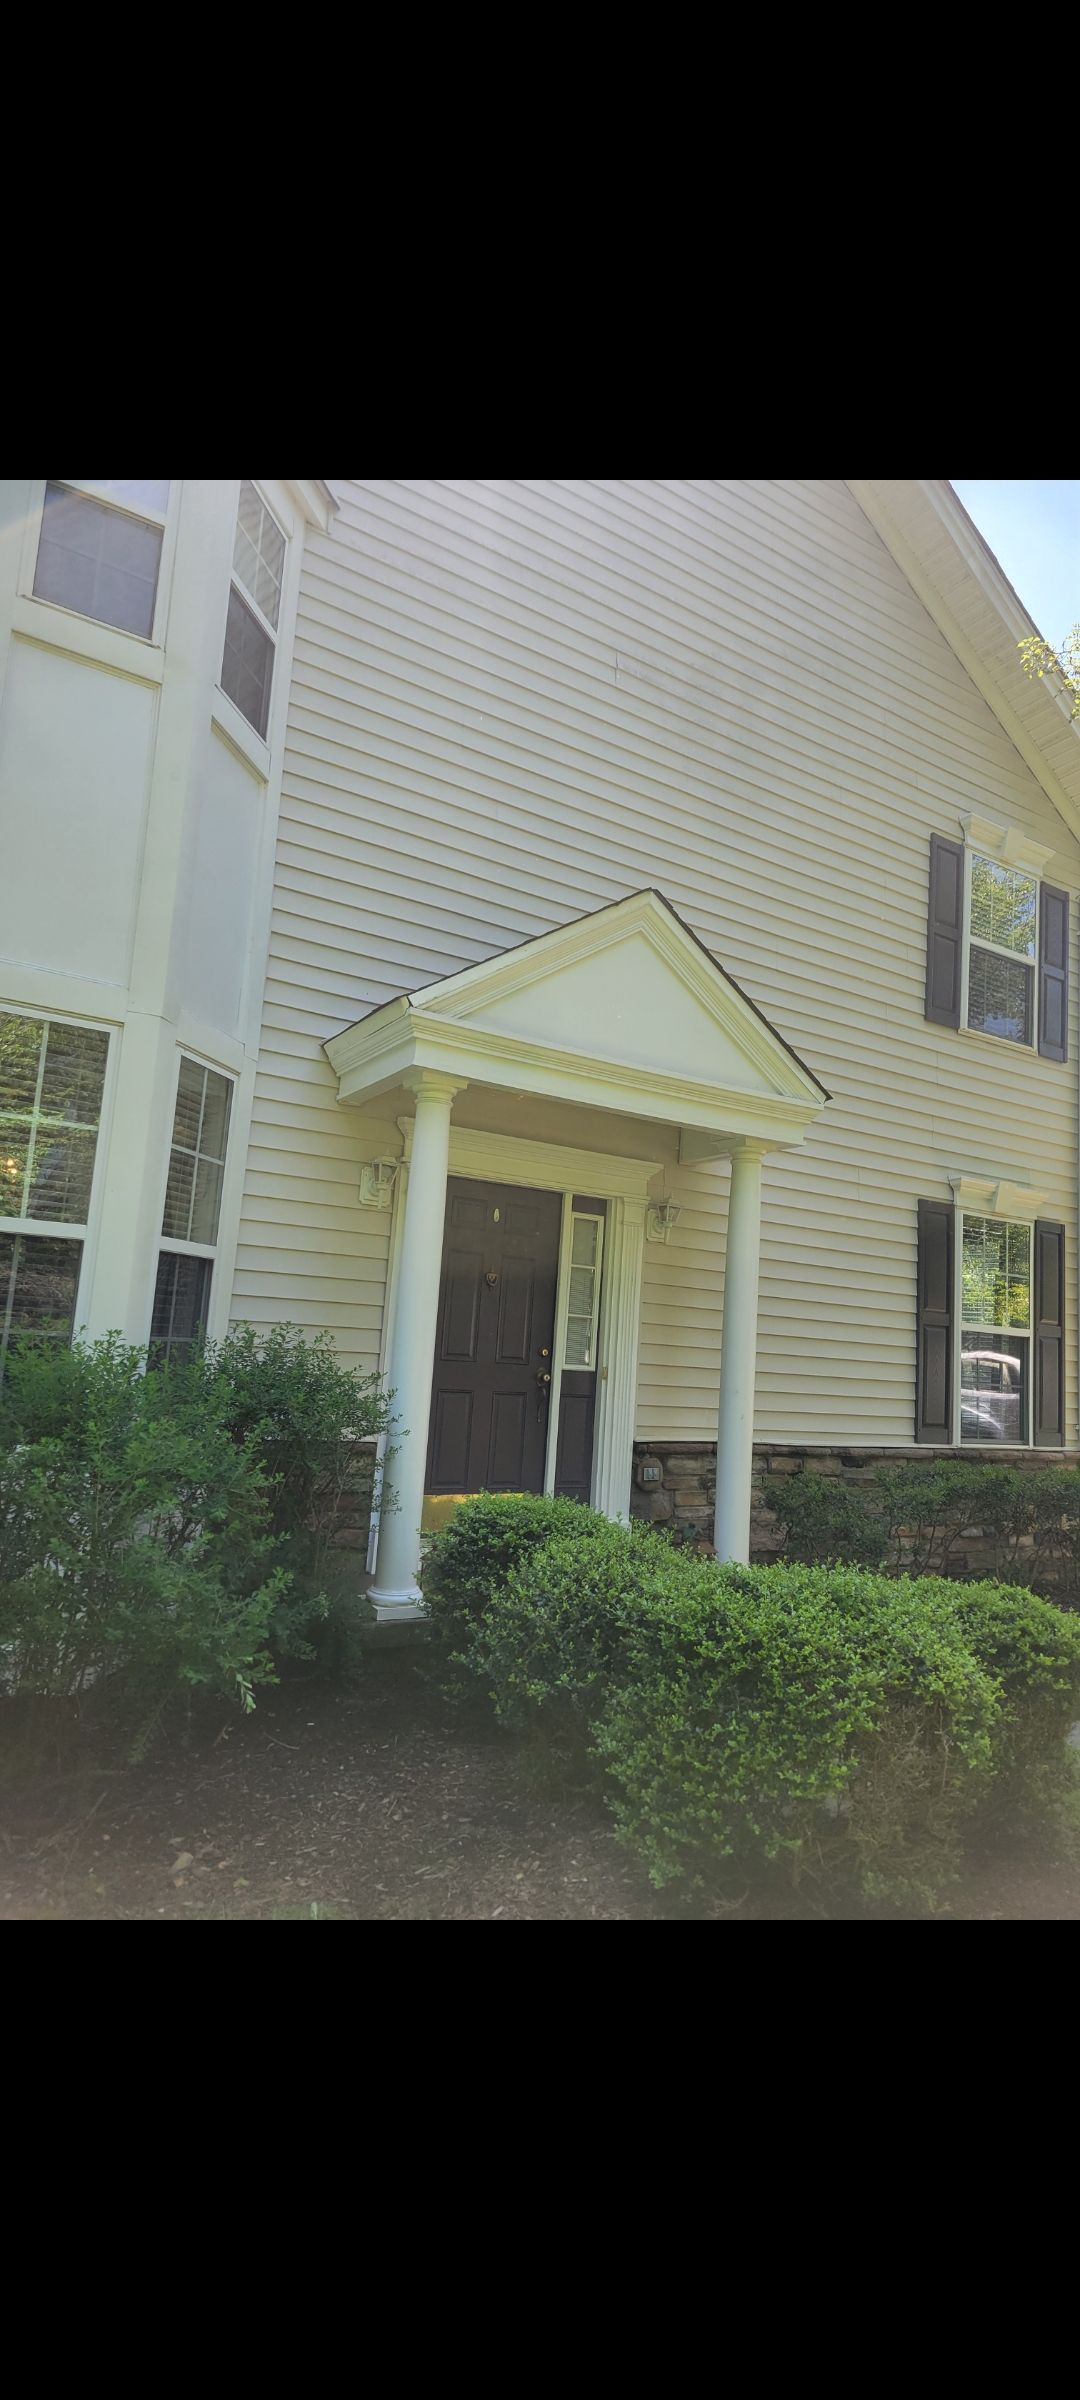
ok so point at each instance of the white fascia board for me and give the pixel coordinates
(476, 1056)
(315, 502)
(982, 675)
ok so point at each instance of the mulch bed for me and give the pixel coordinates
(368, 1801)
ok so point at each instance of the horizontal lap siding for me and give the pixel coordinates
(516, 702)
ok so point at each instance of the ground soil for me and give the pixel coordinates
(367, 1801)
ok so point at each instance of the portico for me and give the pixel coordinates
(619, 1014)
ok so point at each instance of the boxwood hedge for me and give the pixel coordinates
(851, 1726)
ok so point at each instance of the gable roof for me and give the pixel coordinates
(623, 1008)
(945, 558)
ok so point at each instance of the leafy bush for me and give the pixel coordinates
(826, 1521)
(135, 1537)
(309, 1421)
(471, 1558)
(912, 1519)
(849, 1725)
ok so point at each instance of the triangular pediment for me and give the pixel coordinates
(630, 986)
(621, 1009)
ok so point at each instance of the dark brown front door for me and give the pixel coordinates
(493, 1345)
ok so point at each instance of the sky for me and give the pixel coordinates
(1034, 532)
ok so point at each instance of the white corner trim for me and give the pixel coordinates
(988, 1196)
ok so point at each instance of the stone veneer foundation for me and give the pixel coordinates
(686, 1496)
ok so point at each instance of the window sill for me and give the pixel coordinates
(973, 1033)
(235, 729)
(44, 621)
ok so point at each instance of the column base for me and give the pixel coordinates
(399, 1608)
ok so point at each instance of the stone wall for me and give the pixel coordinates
(687, 1495)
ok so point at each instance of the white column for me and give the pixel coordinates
(396, 1590)
(620, 1335)
(738, 1357)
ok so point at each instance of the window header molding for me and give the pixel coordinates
(986, 1196)
(1005, 842)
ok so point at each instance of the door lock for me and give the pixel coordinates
(545, 1354)
(543, 1379)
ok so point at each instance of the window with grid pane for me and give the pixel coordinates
(583, 1297)
(101, 557)
(995, 1330)
(197, 1156)
(251, 626)
(192, 1211)
(1003, 936)
(52, 1078)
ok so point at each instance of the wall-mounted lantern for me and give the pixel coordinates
(377, 1181)
(660, 1217)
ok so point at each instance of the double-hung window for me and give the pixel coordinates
(99, 551)
(1003, 919)
(995, 1330)
(997, 959)
(251, 626)
(52, 1081)
(990, 1320)
(192, 1213)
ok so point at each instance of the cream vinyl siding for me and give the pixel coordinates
(512, 703)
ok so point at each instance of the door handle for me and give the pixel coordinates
(543, 1379)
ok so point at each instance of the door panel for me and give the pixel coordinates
(452, 1432)
(461, 1316)
(496, 1331)
(506, 1463)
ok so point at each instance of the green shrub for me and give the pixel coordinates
(1032, 1650)
(471, 1559)
(309, 1421)
(572, 1612)
(913, 1518)
(135, 1538)
(851, 1726)
(826, 1718)
(826, 1521)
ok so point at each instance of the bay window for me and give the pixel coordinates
(52, 1080)
(99, 551)
(251, 627)
(192, 1212)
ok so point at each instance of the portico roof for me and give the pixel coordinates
(623, 1010)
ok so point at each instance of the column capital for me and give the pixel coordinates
(429, 1083)
(748, 1149)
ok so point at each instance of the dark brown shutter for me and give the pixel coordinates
(1049, 1345)
(945, 931)
(1053, 972)
(934, 1338)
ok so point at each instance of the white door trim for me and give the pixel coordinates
(550, 1167)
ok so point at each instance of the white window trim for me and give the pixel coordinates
(48, 1228)
(170, 1241)
(272, 632)
(585, 1216)
(1021, 1215)
(997, 949)
(55, 611)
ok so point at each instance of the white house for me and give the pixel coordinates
(601, 949)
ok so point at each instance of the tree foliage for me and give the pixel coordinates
(1040, 659)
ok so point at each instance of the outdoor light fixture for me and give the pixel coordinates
(659, 1219)
(377, 1182)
